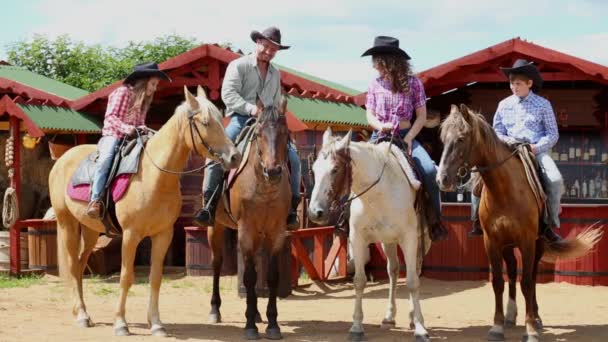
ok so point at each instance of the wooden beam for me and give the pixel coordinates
(302, 255)
(15, 182)
(332, 255)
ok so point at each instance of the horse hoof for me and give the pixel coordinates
(215, 318)
(85, 323)
(412, 325)
(509, 324)
(258, 318)
(538, 324)
(530, 338)
(122, 331)
(387, 324)
(356, 336)
(494, 336)
(159, 332)
(422, 338)
(273, 334)
(252, 334)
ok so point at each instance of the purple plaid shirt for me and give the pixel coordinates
(530, 120)
(394, 107)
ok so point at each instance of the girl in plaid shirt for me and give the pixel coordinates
(126, 112)
(392, 98)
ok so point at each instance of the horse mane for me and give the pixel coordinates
(476, 126)
(207, 109)
(271, 115)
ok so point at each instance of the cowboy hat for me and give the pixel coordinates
(271, 34)
(523, 67)
(384, 45)
(146, 70)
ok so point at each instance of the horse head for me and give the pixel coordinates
(332, 176)
(204, 132)
(462, 134)
(271, 138)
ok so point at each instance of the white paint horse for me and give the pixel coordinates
(383, 213)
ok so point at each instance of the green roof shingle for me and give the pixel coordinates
(344, 89)
(315, 110)
(61, 119)
(40, 82)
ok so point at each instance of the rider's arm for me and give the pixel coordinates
(419, 102)
(231, 86)
(545, 143)
(370, 104)
(118, 103)
(499, 127)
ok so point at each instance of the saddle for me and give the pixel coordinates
(125, 163)
(422, 204)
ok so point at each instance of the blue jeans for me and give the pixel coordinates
(106, 146)
(427, 167)
(554, 187)
(215, 173)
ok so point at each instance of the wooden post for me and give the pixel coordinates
(15, 229)
(81, 139)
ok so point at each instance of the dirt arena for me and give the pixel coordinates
(453, 311)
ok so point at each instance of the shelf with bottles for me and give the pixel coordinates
(586, 184)
(580, 150)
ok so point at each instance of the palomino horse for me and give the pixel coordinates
(259, 204)
(383, 210)
(508, 213)
(149, 207)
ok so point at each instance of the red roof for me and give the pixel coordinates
(24, 91)
(7, 105)
(483, 66)
(185, 63)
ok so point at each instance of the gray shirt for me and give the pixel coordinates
(242, 83)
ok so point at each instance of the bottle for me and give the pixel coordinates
(555, 153)
(585, 150)
(584, 189)
(563, 154)
(591, 189)
(598, 185)
(572, 150)
(592, 153)
(605, 188)
(576, 189)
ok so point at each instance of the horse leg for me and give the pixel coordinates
(68, 239)
(539, 254)
(273, 331)
(160, 244)
(129, 244)
(392, 268)
(215, 236)
(89, 239)
(496, 333)
(409, 244)
(511, 262)
(356, 332)
(528, 256)
(249, 280)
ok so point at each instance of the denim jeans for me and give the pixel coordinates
(554, 187)
(427, 166)
(106, 146)
(215, 173)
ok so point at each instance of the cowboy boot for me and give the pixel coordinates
(292, 219)
(206, 215)
(550, 235)
(94, 209)
(476, 230)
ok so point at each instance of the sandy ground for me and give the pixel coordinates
(453, 311)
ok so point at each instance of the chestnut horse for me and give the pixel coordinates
(149, 207)
(508, 213)
(259, 204)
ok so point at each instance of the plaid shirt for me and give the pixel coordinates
(394, 107)
(530, 120)
(118, 121)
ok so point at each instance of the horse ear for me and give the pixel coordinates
(192, 102)
(259, 103)
(345, 141)
(327, 136)
(464, 110)
(200, 92)
(454, 109)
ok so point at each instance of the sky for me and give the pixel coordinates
(327, 36)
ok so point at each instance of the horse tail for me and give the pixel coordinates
(573, 247)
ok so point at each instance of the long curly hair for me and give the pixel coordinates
(396, 69)
(140, 102)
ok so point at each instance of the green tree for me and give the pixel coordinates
(91, 67)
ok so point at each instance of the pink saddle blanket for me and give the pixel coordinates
(82, 192)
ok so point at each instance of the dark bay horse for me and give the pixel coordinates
(508, 213)
(259, 204)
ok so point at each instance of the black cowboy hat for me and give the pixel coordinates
(523, 67)
(384, 45)
(146, 70)
(271, 34)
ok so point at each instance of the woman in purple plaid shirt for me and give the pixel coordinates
(391, 100)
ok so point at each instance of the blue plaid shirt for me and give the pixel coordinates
(530, 120)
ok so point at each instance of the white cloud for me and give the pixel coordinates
(591, 47)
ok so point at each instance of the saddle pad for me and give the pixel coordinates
(82, 192)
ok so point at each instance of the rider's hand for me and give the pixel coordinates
(387, 127)
(409, 142)
(132, 131)
(257, 111)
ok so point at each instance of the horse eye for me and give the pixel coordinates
(334, 170)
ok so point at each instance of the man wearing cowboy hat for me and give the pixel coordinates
(526, 117)
(126, 112)
(247, 78)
